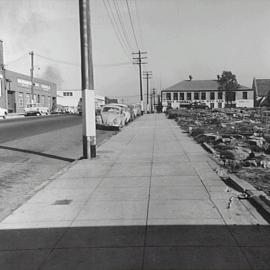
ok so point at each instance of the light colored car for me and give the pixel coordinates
(36, 109)
(125, 109)
(3, 113)
(137, 109)
(112, 115)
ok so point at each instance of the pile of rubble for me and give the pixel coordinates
(238, 138)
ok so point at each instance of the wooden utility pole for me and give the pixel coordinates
(154, 97)
(32, 76)
(147, 76)
(138, 61)
(87, 77)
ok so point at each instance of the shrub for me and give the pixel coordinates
(197, 131)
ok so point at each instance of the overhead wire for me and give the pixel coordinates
(138, 21)
(132, 26)
(78, 64)
(120, 18)
(115, 30)
(17, 59)
(117, 25)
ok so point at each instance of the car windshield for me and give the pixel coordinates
(110, 109)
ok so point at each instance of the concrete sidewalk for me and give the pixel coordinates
(148, 201)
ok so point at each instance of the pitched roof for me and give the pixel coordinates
(262, 86)
(198, 85)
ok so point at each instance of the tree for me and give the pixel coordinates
(228, 83)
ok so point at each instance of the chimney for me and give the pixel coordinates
(190, 77)
(1, 54)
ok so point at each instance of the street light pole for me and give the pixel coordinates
(87, 77)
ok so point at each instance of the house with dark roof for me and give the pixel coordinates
(261, 87)
(204, 91)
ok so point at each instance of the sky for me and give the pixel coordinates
(181, 37)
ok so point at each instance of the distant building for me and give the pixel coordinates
(204, 91)
(261, 87)
(69, 98)
(73, 98)
(15, 89)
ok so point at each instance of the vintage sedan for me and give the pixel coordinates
(112, 115)
(36, 109)
(125, 109)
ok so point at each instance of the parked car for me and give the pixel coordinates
(79, 107)
(112, 115)
(125, 109)
(137, 109)
(3, 113)
(36, 109)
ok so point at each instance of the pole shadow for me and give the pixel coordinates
(36, 153)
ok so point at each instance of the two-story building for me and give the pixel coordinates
(15, 89)
(204, 91)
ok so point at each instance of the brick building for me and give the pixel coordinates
(15, 89)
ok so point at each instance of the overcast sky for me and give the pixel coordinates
(182, 37)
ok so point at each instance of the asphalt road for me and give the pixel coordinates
(34, 149)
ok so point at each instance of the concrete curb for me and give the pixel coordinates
(257, 198)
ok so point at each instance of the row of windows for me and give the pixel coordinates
(37, 99)
(200, 96)
(67, 94)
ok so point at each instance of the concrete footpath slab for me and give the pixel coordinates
(149, 200)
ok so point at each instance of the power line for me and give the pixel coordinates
(58, 60)
(131, 23)
(125, 42)
(17, 59)
(139, 21)
(78, 65)
(115, 30)
(120, 18)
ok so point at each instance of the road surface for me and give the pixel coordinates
(34, 149)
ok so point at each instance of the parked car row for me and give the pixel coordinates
(117, 115)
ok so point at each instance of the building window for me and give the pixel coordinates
(188, 96)
(20, 100)
(168, 96)
(38, 98)
(27, 98)
(175, 96)
(196, 96)
(49, 102)
(182, 96)
(245, 95)
(203, 96)
(43, 100)
(212, 95)
(67, 94)
(220, 94)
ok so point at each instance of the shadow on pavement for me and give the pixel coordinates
(36, 153)
(136, 247)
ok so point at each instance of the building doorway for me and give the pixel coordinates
(11, 101)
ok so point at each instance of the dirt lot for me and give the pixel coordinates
(240, 139)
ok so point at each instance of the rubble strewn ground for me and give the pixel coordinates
(240, 139)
